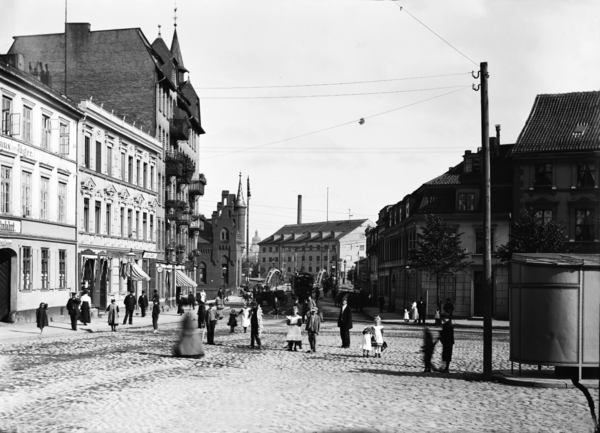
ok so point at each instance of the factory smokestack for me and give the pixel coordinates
(299, 209)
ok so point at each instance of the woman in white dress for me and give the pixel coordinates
(245, 313)
(414, 311)
(86, 303)
(294, 334)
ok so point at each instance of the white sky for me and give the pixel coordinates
(531, 47)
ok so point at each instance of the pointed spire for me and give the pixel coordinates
(239, 201)
(159, 35)
(176, 49)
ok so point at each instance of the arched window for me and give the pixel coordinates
(224, 235)
(202, 273)
(224, 270)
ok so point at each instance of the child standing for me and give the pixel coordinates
(378, 337)
(437, 317)
(155, 313)
(276, 307)
(406, 316)
(366, 345)
(232, 323)
(41, 317)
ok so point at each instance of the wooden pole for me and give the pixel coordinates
(487, 256)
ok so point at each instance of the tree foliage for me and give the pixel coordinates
(531, 234)
(438, 250)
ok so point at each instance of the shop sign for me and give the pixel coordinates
(17, 148)
(5, 242)
(10, 226)
(150, 255)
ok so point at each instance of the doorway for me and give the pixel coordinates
(6, 256)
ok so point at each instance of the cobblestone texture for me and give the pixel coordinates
(128, 382)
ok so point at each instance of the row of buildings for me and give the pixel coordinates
(552, 168)
(99, 173)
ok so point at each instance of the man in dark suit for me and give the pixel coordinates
(254, 331)
(129, 307)
(211, 320)
(143, 303)
(345, 323)
(422, 310)
(73, 309)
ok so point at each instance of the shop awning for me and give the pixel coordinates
(183, 280)
(137, 274)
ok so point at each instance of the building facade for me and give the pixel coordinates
(38, 187)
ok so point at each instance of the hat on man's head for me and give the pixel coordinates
(315, 309)
(112, 300)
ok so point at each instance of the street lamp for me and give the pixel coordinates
(130, 257)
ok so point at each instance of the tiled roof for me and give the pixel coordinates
(562, 122)
(326, 227)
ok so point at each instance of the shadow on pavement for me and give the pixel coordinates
(475, 377)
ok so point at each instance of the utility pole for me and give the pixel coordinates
(487, 255)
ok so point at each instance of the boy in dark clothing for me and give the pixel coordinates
(155, 313)
(447, 340)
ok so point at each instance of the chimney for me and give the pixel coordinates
(496, 148)
(299, 209)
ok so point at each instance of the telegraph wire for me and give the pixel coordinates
(335, 126)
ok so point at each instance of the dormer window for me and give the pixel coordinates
(586, 174)
(579, 130)
(473, 165)
(543, 175)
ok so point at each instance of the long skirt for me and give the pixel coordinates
(85, 313)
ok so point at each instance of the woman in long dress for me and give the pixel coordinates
(245, 313)
(113, 315)
(294, 334)
(86, 303)
(414, 311)
(41, 317)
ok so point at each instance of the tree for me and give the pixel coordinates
(438, 251)
(531, 234)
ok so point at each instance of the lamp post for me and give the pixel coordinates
(130, 257)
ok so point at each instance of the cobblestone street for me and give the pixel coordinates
(128, 381)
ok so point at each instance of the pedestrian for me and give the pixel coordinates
(220, 293)
(211, 321)
(414, 312)
(202, 318)
(86, 303)
(232, 323)
(309, 304)
(113, 315)
(188, 346)
(377, 337)
(192, 301)
(41, 318)
(256, 325)
(406, 316)
(449, 309)
(220, 302)
(438, 317)
(366, 345)
(313, 325)
(143, 303)
(130, 303)
(381, 302)
(73, 309)
(203, 295)
(276, 307)
(421, 310)
(427, 349)
(245, 313)
(345, 323)
(447, 340)
(155, 297)
(179, 301)
(155, 313)
(294, 333)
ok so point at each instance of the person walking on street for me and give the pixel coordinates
(313, 325)
(129, 307)
(294, 333)
(113, 315)
(427, 349)
(202, 295)
(449, 309)
(414, 312)
(155, 313)
(155, 297)
(192, 301)
(41, 318)
(179, 302)
(73, 309)
(381, 302)
(211, 320)
(255, 325)
(202, 318)
(232, 323)
(220, 302)
(143, 303)
(421, 309)
(377, 337)
(276, 307)
(86, 303)
(345, 323)
(447, 340)
(245, 313)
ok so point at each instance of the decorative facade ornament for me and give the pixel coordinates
(110, 192)
(88, 186)
(138, 200)
(124, 196)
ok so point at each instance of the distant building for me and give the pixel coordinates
(557, 162)
(311, 247)
(38, 190)
(254, 248)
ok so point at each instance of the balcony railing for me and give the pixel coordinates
(197, 186)
(180, 129)
(183, 218)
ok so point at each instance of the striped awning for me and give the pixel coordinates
(183, 280)
(137, 274)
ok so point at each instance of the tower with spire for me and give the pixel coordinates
(241, 208)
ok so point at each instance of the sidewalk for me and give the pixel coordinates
(398, 319)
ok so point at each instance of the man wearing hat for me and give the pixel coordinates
(129, 307)
(73, 309)
(313, 325)
(345, 323)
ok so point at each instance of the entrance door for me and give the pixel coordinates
(103, 284)
(478, 288)
(5, 257)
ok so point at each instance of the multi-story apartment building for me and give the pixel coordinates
(457, 197)
(38, 187)
(311, 247)
(557, 161)
(118, 210)
(147, 85)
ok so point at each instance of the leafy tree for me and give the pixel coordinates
(531, 234)
(438, 251)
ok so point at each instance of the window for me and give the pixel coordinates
(27, 124)
(98, 157)
(26, 266)
(224, 235)
(361, 248)
(473, 165)
(86, 214)
(109, 160)
(86, 152)
(317, 269)
(264, 260)
(152, 177)
(130, 166)
(289, 269)
(138, 173)
(276, 259)
(289, 258)
(97, 217)
(407, 209)
(584, 225)
(44, 196)
(544, 214)
(270, 249)
(64, 139)
(152, 227)
(108, 218)
(6, 115)
(26, 194)
(202, 273)
(160, 199)
(145, 176)
(122, 222)
(122, 166)
(543, 175)
(137, 223)
(129, 226)
(310, 258)
(479, 240)
(62, 202)
(46, 132)
(145, 226)
(310, 269)
(45, 266)
(62, 269)
(317, 258)
(264, 249)
(466, 202)
(586, 174)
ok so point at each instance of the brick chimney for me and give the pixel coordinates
(299, 209)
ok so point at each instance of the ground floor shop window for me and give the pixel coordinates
(26, 268)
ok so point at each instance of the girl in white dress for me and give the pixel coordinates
(245, 313)
(294, 334)
(366, 345)
(406, 316)
(415, 312)
(378, 337)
